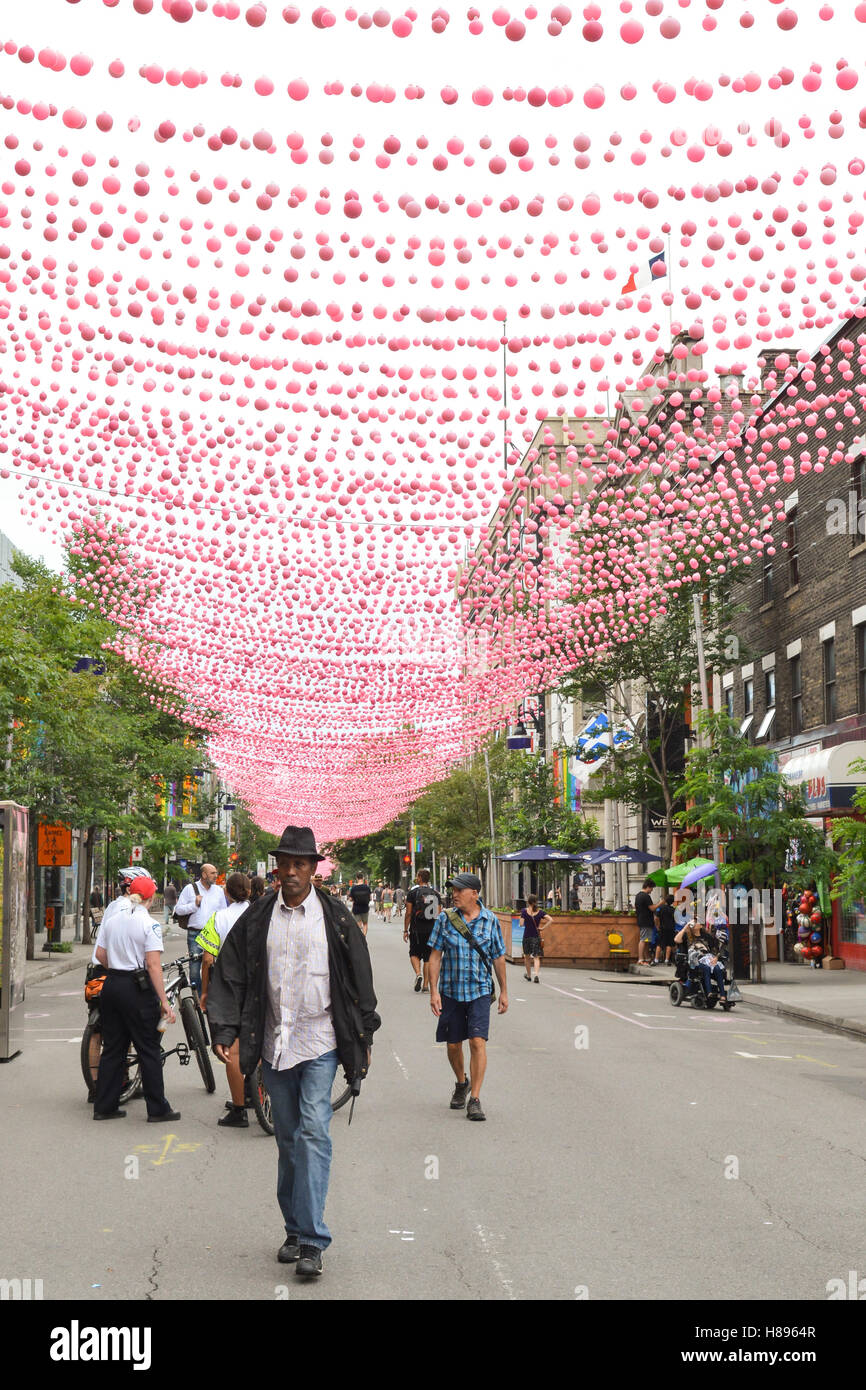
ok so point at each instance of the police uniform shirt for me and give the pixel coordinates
(130, 935)
(120, 904)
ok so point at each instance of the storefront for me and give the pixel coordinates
(829, 786)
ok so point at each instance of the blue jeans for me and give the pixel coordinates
(195, 964)
(301, 1112)
(718, 974)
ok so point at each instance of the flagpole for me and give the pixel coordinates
(671, 292)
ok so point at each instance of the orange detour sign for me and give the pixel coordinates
(54, 846)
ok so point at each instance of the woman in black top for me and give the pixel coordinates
(534, 923)
(667, 929)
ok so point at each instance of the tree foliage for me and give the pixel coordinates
(659, 661)
(734, 785)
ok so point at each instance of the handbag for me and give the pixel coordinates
(460, 926)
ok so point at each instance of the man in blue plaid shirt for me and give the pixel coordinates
(463, 1007)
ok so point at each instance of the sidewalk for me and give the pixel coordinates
(47, 964)
(835, 999)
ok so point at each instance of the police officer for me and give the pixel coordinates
(132, 1000)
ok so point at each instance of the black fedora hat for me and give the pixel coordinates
(300, 841)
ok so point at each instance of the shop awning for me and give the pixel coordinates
(825, 777)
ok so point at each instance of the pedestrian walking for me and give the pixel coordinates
(423, 906)
(131, 1003)
(197, 903)
(211, 939)
(399, 901)
(359, 894)
(643, 906)
(258, 888)
(293, 985)
(535, 921)
(466, 947)
(667, 927)
(169, 900)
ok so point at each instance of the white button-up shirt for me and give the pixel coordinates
(213, 899)
(298, 1020)
(128, 937)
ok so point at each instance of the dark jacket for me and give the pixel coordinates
(237, 992)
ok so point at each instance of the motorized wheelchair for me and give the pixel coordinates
(689, 982)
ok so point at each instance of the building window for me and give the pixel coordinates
(767, 579)
(858, 478)
(748, 696)
(830, 680)
(770, 700)
(796, 695)
(729, 702)
(860, 648)
(793, 539)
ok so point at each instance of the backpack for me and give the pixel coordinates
(420, 913)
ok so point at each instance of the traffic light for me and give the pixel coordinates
(406, 859)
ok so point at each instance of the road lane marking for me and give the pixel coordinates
(771, 1056)
(486, 1239)
(170, 1146)
(400, 1064)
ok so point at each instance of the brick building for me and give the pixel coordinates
(800, 686)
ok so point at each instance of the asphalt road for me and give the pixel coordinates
(630, 1151)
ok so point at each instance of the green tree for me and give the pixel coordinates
(532, 815)
(849, 841)
(734, 785)
(660, 659)
(88, 738)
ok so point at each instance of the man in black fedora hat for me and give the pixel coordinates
(293, 982)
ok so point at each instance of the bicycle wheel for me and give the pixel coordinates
(261, 1100)
(191, 1019)
(91, 1051)
(340, 1091)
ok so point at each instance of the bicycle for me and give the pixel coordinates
(194, 1024)
(260, 1101)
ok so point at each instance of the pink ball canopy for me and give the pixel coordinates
(368, 407)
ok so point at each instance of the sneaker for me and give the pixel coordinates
(236, 1118)
(167, 1115)
(289, 1251)
(526, 977)
(417, 984)
(474, 1111)
(461, 1091)
(536, 981)
(309, 1261)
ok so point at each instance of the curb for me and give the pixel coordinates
(50, 969)
(848, 1027)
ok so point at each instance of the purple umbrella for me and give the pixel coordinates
(702, 871)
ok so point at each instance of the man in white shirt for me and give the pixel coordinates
(196, 905)
(292, 983)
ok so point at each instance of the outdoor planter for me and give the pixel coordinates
(574, 938)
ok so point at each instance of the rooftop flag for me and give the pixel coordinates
(655, 268)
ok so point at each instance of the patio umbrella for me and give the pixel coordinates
(540, 854)
(626, 855)
(698, 872)
(673, 877)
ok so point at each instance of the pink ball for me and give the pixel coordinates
(181, 10)
(594, 98)
(256, 16)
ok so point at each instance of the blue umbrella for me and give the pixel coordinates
(626, 855)
(539, 854)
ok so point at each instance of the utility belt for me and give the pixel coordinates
(141, 978)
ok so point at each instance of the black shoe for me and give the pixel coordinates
(109, 1115)
(166, 1115)
(309, 1261)
(417, 984)
(536, 981)
(236, 1118)
(289, 1251)
(461, 1091)
(474, 1111)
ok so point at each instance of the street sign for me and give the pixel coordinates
(136, 854)
(54, 846)
(401, 846)
(195, 825)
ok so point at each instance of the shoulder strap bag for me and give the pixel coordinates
(460, 926)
